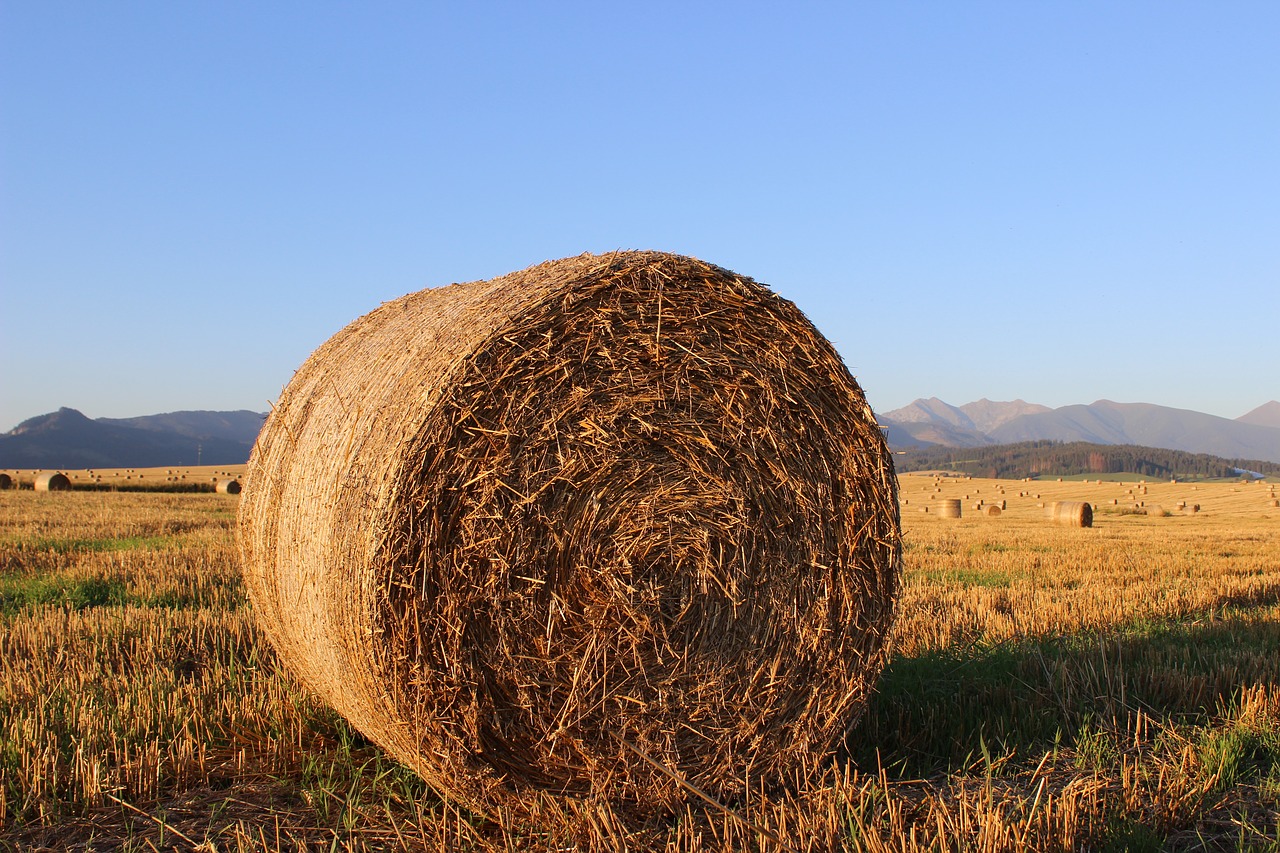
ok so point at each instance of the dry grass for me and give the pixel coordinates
(1050, 688)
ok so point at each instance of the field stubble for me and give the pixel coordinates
(1116, 687)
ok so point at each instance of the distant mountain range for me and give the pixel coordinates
(67, 439)
(932, 422)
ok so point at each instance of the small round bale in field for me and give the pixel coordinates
(991, 509)
(52, 482)
(6, 482)
(228, 487)
(949, 508)
(583, 530)
(1071, 513)
(1155, 510)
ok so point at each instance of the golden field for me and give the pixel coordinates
(1050, 688)
(133, 478)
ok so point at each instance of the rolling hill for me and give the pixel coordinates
(67, 439)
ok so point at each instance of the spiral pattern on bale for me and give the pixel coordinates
(612, 526)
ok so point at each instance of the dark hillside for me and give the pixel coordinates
(1058, 459)
(67, 439)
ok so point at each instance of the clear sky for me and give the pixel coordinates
(1055, 202)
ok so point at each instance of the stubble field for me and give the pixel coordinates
(1050, 687)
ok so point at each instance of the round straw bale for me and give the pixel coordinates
(6, 482)
(582, 530)
(228, 487)
(1072, 513)
(949, 508)
(52, 482)
(992, 509)
(1155, 509)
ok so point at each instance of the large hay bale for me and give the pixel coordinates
(6, 482)
(228, 487)
(580, 529)
(52, 482)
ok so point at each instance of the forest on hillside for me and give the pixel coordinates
(1064, 459)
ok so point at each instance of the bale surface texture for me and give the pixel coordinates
(582, 530)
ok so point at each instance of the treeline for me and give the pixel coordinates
(1064, 459)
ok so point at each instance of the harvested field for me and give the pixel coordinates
(203, 478)
(1049, 688)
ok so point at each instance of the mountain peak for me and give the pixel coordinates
(986, 415)
(932, 409)
(1268, 415)
(61, 419)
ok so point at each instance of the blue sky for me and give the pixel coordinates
(1054, 202)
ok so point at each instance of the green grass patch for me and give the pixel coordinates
(125, 543)
(1238, 754)
(19, 593)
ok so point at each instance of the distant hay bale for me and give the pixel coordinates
(6, 482)
(52, 482)
(1273, 503)
(228, 487)
(991, 509)
(1072, 513)
(949, 508)
(579, 529)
